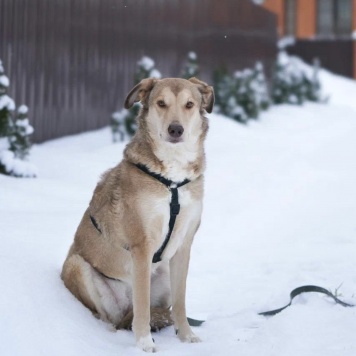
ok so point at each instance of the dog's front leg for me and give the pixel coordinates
(178, 271)
(141, 284)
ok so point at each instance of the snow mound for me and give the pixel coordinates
(17, 167)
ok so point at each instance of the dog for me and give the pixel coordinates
(109, 266)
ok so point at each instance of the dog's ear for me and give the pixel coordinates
(140, 92)
(207, 93)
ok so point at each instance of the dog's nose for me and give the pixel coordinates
(175, 130)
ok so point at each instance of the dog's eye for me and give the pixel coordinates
(189, 105)
(161, 104)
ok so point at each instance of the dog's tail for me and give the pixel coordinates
(160, 318)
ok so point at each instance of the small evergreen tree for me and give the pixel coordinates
(262, 93)
(292, 84)
(226, 98)
(287, 82)
(246, 93)
(118, 125)
(20, 142)
(313, 85)
(191, 67)
(222, 87)
(7, 106)
(14, 135)
(146, 69)
(129, 119)
(243, 95)
(123, 123)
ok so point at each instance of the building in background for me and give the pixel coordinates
(322, 28)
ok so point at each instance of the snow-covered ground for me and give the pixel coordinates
(280, 210)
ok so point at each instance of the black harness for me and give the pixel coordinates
(174, 206)
(173, 211)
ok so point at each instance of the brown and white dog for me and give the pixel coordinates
(109, 266)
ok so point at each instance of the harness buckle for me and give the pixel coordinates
(175, 208)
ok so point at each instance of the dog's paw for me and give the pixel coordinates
(147, 344)
(188, 337)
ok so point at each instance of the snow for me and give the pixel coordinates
(4, 80)
(279, 212)
(192, 56)
(285, 42)
(24, 124)
(4, 143)
(23, 109)
(342, 92)
(146, 62)
(6, 102)
(155, 74)
(17, 167)
(119, 116)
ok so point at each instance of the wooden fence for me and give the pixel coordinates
(336, 55)
(72, 61)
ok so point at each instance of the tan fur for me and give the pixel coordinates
(132, 211)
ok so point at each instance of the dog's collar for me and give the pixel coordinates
(174, 205)
(167, 182)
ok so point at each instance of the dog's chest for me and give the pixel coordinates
(190, 211)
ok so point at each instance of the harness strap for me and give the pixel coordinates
(174, 206)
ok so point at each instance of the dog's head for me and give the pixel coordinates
(174, 107)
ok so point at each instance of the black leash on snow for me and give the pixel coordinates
(293, 294)
(305, 289)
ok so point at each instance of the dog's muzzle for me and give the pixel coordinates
(175, 132)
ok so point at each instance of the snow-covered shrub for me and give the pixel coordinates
(14, 135)
(123, 122)
(314, 92)
(252, 91)
(7, 106)
(292, 83)
(10, 165)
(222, 86)
(241, 96)
(226, 95)
(146, 69)
(20, 142)
(191, 67)
(261, 87)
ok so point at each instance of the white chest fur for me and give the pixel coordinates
(175, 159)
